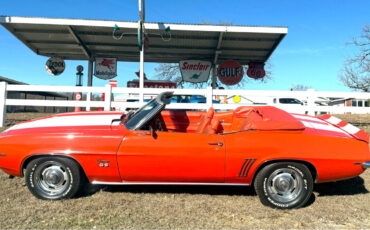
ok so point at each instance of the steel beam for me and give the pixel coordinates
(90, 73)
(215, 59)
(79, 41)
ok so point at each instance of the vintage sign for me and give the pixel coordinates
(195, 71)
(230, 72)
(55, 66)
(256, 70)
(105, 68)
(152, 84)
(113, 83)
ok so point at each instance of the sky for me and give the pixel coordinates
(312, 53)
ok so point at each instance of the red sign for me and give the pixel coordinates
(230, 72)
(256, 70)
(152, 84)
(113, 83)
(78, 98)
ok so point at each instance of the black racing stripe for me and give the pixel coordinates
(254, 160)
(241, 170)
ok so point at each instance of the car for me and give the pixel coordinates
(289, 101)
(282, 155)
(191, 99)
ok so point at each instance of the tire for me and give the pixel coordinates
(284, 185)
(53, 178)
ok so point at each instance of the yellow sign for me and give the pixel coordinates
(236, 99)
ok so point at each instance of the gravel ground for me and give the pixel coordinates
(337, 205)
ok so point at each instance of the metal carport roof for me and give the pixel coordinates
(80, 39)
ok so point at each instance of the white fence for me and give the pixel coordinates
(309, 108)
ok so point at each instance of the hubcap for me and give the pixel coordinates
(284, 185)
(53, 178)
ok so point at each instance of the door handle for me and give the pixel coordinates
(142, 133)
(216, 143)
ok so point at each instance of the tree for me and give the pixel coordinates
(171, 72)
(356, 70)
(300, 87)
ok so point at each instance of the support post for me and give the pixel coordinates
(213, 76)
(108, 97)
(141, 82)
(88, 99)
(90, 73)
(89, 82)
(311, 101)
(209, 97)
(3, 94)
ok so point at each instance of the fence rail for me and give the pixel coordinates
(309, 96)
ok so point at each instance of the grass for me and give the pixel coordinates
(343, 204)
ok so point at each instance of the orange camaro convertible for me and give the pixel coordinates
(280, 154)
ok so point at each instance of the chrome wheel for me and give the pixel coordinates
(284, 185)
(52, 178)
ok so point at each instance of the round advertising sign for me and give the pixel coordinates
(256, 70)
(55, 66)
(230, 72)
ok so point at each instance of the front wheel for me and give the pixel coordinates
(53, 178)
(284, 185)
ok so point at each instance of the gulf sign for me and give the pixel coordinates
(195, 71)
(230, 72)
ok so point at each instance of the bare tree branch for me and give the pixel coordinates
(356, 70)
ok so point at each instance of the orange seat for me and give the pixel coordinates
(215, 126)
(205, 120)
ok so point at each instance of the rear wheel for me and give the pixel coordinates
(53, 178)
(284, 185)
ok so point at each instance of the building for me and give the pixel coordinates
(35, 96)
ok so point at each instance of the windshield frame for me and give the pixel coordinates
(142, 116)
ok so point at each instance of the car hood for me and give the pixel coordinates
(68, 120)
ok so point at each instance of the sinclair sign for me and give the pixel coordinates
(105, 68)
(195, 71)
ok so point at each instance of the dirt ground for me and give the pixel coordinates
(337, 205)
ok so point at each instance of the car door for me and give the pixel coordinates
(171, 157)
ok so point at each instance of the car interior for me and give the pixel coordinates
(210, 122)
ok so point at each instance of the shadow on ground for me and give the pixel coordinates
(346, 187)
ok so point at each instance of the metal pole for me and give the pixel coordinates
(3, 95)
(141, 22)
(213, 76)
(142, 74)
(90, 73)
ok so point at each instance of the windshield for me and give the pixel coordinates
(136, 120)
(289, 101)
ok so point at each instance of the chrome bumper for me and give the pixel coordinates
(366, 165)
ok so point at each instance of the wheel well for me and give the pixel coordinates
(309, 165)
(33, 157)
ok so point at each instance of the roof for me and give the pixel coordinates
(81, 39)
(48, 94)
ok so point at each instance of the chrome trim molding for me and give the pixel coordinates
(366, 165)
(165, 183)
